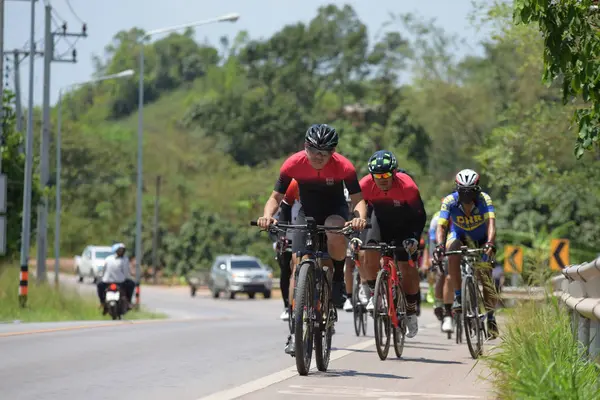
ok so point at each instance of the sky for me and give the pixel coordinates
(261, 18)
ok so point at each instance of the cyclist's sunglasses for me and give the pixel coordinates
(470, 189)
(384, 175)
(322, 153)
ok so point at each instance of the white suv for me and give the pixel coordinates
(91, 262)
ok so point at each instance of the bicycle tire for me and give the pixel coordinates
(291, 319)
(323, 334)
(381, 319)
(303, 312)
(356, 307)
(471, 317)
(399, 334)
(365, 318)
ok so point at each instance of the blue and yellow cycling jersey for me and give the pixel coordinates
(475, 225)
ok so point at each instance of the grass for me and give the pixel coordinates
(46, 303)
(539, 358)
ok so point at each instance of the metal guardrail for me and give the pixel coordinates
(579, 289)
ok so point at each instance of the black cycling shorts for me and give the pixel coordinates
(299, 238)
(375, 235)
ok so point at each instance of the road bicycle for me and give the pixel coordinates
(314, 314)
(389, 317)
(473, 314)
(359, 310)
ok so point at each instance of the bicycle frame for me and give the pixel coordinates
(389, 263)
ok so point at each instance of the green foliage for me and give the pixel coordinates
(219, 122)
(13, 166)
(45, 303)
(571, 49)
(539, 357)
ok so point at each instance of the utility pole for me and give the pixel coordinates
(42, 225)
(155, 236)
(26, 221)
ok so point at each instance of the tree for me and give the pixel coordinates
(571, 47)
(13, 166)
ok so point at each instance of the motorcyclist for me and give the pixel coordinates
(116, 270)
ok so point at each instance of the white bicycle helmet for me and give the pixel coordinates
(467, 178)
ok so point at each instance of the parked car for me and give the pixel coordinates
(91, 262)
(233, 274)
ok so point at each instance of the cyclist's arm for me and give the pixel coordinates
(272, 204)
(491, 231)
(359, 205)
(490, 216)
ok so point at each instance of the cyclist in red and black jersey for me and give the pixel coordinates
(321, 174)
(398, 216)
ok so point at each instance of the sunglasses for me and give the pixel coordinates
(385, 175)
(322, 153)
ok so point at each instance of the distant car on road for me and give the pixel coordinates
(233, 274)
(91, 262)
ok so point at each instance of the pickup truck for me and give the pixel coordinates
(91, 262)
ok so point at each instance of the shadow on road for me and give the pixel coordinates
(353, 350)
(350, 372)
(425, 348)
(427, 360)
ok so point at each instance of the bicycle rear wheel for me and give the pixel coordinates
(381, 319)
(399, 333)
(324, 331)
(471, 317)
(304, 311)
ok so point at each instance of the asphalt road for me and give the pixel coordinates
(224, 348)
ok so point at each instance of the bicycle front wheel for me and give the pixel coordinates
(381, 318)
(472, 317)
(304, 310)
(324, 332)
(399, 333)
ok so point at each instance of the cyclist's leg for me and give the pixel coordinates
(439, 295)
(336, 247)
(284, 281)
(348, 278)
(410, 284)
(452, 285)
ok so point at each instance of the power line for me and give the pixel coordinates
(73, 11)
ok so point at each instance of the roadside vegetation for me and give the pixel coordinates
(45, 303)
(539, 358)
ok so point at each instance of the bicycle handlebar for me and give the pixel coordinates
(464, 251)
(346, 230)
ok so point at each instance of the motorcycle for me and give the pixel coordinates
(116, 303)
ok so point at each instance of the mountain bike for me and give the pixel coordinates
(473, 314)
(389, 317)
(314, 313)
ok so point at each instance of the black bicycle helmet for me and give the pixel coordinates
(382, 161)
(321, 137)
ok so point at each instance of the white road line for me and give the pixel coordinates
(280, 376)
(362, 392)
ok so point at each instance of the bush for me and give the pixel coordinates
(539, 358)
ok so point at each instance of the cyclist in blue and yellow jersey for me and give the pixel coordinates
(471, 216)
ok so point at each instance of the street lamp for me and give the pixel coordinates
(138, 215)
(122, 74)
